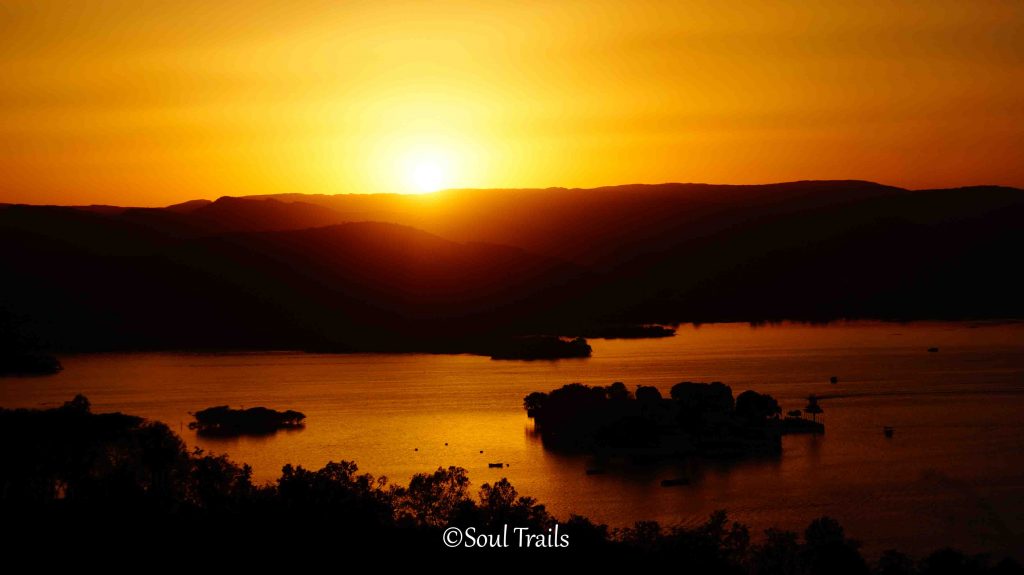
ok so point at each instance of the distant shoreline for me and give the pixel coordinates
(970, 323)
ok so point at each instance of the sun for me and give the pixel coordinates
(419, 164)
(427, 175)
(426, 170)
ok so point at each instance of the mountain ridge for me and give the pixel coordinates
(456, 271)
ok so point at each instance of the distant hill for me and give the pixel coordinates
(601, 227)
(188, 207)
(358, 286)
(803, 250)
(200, 217)
(241, 215)
(445, 271)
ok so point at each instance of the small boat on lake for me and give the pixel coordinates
(888, 431)
(933, 350)
(498, 465)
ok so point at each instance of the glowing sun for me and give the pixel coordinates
(421, 164)
(427, 175)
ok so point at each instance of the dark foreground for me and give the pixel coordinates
(113, 488)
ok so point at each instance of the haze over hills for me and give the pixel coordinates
(589, 226)
(446, 271)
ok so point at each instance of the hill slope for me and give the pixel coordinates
(359, 286)
(259, 272)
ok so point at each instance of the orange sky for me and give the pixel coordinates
(149, 103)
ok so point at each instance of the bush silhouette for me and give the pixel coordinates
(78, 480)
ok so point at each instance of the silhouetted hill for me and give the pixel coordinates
(104, 209)
(240, 215)
(200, 217)
(188, 207)
(56, 230)
(365, 286)
(802, 250)
(169, 223)
(275, 272)
(602, 227)
(922, 254)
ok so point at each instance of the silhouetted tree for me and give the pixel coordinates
(778, 554)
(218, 483)
(586, 534)
(703, 397)
(813, 408)
(757, 407)
(643, 535)
(950, 561)
(827, 551)
(892, 562)
(66, 468)
(432, 498)
(534, 401)
(618, 392)
(647, 393)
(500, 504)
(629, 432)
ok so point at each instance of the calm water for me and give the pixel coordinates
(953, 473)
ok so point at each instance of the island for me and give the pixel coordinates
(224, 421)
(541, 347)
(630, 331)
(19, 363)
(697, 419)
(795, 422)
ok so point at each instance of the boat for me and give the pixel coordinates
(888, 431)
(675, 482)
(933, 350)
(499, 465)
(833, 379)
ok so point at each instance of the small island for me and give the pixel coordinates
(18, 363)
(795, 422)
(226, 422)
(697, 419)
(541, 347)
(630, 331)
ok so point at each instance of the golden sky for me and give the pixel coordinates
(149, 103)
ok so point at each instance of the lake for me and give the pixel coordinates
(953, 473)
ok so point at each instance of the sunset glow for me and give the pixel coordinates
(427, 176)
(149, 104)
(726, 285)
(425, 171)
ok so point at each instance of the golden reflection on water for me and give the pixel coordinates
(954, 465)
